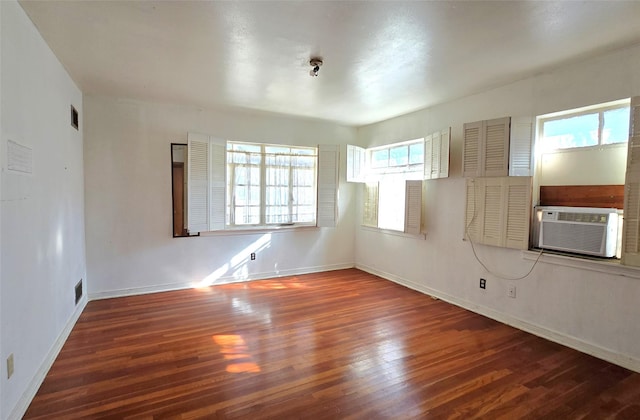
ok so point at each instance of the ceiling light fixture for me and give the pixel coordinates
(316, 63)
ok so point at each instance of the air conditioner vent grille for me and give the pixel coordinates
(566, 236)
(583, 217)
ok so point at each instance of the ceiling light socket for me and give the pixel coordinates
(316, 63)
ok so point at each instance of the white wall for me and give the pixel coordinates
(42, 214)
(592, 310)
(130, 248)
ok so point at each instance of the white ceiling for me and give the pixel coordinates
(381, 59)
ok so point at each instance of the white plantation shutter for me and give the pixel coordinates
(370, 204)
(495, 156)
(498, 211)
(218, 185)
(492, 228)
(521, 147)
(518, 208)
(428, 151)
(445, 139)
(328, 163)
(198, 182)
(355, 163)
(471, 149)
(631, 226)
(413, 207)
(485, 148)
(435, 155)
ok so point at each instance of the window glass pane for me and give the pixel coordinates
(380, 158)
(304, 161)
(303, 177)
(578, 131)
(277, 214)
(303, 195)
(391, 205)
(277, 150)
(244, 147)
(616, 126)
(254, 195)
(416, 153)
(247, 215)
(399, 156)
(303, 151)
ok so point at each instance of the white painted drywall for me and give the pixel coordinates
(130, 248)
(42, 214)
(597, 310)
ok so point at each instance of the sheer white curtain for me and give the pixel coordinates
(278, 198)
(244, 195)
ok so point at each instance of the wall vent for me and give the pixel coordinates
(78, 290)
(74, 118)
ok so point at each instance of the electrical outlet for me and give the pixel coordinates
(511, 292)
(253, 256)
(10, 366)
(483, 283)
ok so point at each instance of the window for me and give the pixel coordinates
(581, 161)
(391, 200)
(392, 177)
(236, 185)
(270, 184)
(398, 157)
(606, 124)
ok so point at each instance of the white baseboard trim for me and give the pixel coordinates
(27, 396)
(575, 343)
(222, 280)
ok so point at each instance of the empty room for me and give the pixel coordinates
(319, 209)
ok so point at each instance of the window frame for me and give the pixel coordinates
(395, 168)
(263, 166)
(600, 109)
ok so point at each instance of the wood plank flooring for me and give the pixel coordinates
(336, 345)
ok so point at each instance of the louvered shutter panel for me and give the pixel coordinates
(328, 163)
(498, 211)
(445, 139)
(428, 150)
(471, 149)
(198, 182)
(370, 205)
(355, 163)
(518, 212)
(218, 159)
(493, 216)
(435, 155)
(413, 207)
(495, 156)
(631, 226)
(521, 147)
(473, 209)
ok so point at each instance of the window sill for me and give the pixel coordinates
(253, 230)
(422, 236)
(608, 266)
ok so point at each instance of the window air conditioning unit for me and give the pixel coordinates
(581, 230)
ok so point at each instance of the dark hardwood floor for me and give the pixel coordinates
(335, 345)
